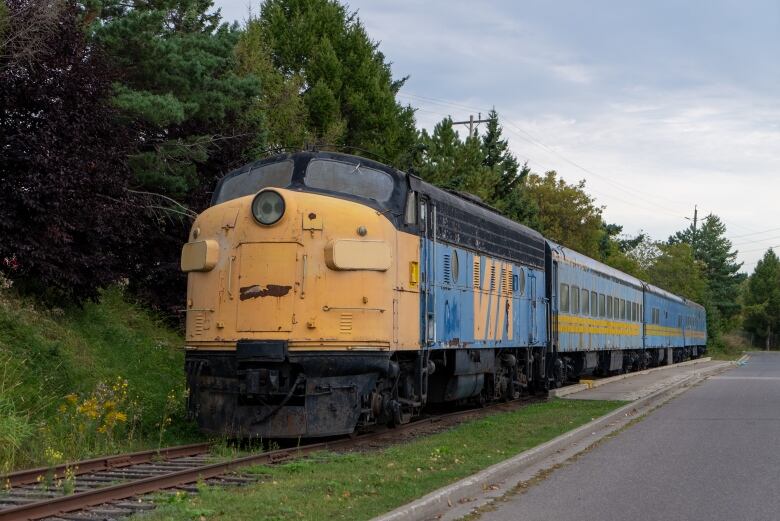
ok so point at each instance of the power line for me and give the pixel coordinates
(754, 233)
(757, 240)
(760, 249)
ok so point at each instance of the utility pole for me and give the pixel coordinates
(695, 221)
(472, 122)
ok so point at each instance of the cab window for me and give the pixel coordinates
(277, 175)
(349, 178)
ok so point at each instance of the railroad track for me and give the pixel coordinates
(117, 486)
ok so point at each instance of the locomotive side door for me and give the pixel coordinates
(427, 215)
(533, 333)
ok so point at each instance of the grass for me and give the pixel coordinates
(363, 485)
(79, 382)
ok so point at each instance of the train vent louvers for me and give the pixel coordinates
(345, 324)
(476, 273)
(506, 282)
(200, 322)
(447, 269)
(492, 277)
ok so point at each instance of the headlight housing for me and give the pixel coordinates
(267, 207)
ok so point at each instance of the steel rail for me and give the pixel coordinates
(98, 496)
(26, 477)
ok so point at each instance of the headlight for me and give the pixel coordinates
(268, 207)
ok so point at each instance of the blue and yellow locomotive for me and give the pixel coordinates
(328, 292)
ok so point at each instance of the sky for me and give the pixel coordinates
(659, 106)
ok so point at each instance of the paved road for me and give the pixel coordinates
(713, 453)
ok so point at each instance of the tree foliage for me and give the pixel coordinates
(675, 270)
(180, 85)
(719, 266)
(762, 298)
(454, 164)
(64, 211)
(566, 213)
(346, 84)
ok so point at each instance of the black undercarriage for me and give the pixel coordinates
(263, 390)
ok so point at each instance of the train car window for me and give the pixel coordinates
(641, 312)
(410, 214)
(348, 178)
(609, 306)
(594, 304)
(563, 298)
(277, 175)
(679, 321)
(585, 302)
(622, 309)
(634, 316)
(602, 305)
(575, 300)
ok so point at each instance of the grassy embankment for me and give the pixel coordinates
(81, 382)
(362, 485)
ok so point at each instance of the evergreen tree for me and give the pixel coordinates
(450, 163)
(720, 268)
(180, 87)
(509, 195)
(762, 298)
(346, 84)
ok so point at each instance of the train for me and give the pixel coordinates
(328, 293)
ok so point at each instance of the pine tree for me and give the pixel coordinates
(180, 87)
(720, 268)
(453, 164)
(500, 159)
(347, 85)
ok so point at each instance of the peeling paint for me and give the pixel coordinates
(271, 290)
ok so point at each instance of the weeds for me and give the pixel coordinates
(89, 381)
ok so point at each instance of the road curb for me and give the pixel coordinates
(571, 389)
(440, 501)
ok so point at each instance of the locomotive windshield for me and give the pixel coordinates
(349, 178)
(277, 175)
